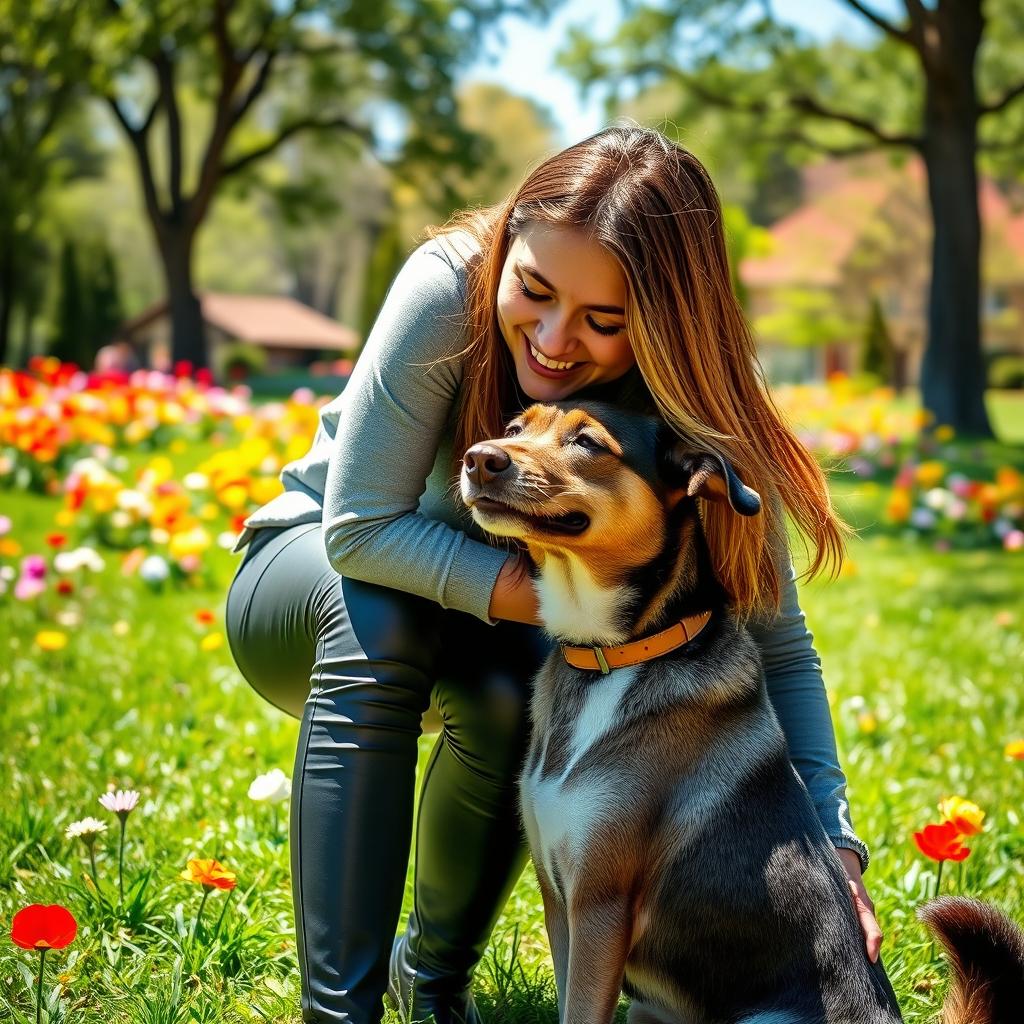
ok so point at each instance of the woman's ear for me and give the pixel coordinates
(708, 475)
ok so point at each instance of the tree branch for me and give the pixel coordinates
(1004, 101)
(138, 140)
(1002, 145)
(304, 124)
(809, 105)
(238, 111)
(803, 103)
(879, 22)
(165, 75)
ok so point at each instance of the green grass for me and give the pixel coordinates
(917, 634)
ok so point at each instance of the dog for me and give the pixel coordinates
(679, 856)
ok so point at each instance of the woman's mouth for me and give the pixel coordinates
(554, 369)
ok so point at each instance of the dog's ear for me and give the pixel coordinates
(707, 475)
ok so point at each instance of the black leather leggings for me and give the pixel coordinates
(358, 663)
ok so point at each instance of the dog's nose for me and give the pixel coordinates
(484, 462)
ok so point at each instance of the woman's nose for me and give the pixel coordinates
(554, 336)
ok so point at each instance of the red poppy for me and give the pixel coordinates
(65, 587)
(205, 617)
(942, 842)
(43, 927)
(56, 540)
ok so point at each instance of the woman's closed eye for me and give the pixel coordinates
(606, 329)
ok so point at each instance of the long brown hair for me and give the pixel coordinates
(653, 206)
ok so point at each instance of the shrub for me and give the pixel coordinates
(1006, 372)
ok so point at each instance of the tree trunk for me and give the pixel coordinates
(188, 335)
(952, 370)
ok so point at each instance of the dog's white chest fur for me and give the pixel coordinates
(560, 811)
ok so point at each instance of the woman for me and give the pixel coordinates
(366, 588)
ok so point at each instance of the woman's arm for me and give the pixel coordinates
(391, 421)
(797, 692)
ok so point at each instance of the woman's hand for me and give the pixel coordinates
(513, 597)
(861, 902)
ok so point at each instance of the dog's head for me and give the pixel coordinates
(594, 487)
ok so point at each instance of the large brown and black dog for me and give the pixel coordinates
(679, 855)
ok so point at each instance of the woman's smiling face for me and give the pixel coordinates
(562, 296)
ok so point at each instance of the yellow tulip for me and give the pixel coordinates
(966, 815)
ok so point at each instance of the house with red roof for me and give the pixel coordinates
(290, 334)
(864, 233)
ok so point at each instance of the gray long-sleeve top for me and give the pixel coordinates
(377, 477)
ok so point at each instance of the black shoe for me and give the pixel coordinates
(417, 997)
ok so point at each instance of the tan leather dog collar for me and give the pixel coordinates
(604, 659)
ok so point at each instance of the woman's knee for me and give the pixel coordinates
(487, 720)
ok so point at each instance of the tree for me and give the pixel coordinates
(921, 89)
(88, 309)
(338, 65)
(877, 355)
(42, 68)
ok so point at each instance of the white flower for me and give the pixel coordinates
(78, 558)
(937, 498)
(154, 569)
(86, 828)
(196, 481)
(134, 501)
(120, 628)
(122, 802)
(271, 788)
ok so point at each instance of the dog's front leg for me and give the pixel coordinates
(557, 923)
(599, 941)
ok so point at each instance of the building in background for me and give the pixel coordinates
(863, 233)
(246, 334)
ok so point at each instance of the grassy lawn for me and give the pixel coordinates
(922, 654)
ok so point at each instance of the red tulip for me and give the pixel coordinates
(942, 842)
(43, 927)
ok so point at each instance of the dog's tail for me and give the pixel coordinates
(986, 954)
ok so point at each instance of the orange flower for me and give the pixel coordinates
(205, 617)
(209, 872)
(941, 842)
(43, 927)
(56, 540)
(1015, 750)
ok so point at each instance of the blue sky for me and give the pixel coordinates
(524, 61)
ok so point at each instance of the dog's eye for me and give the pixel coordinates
(590, 443)
(512, 430)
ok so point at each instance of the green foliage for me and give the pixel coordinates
(742, 239)
(88, 309)
(1006, 371)
(385, 260)
(877, 356)
(238, 360)
(806, 317)
(43, 66)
